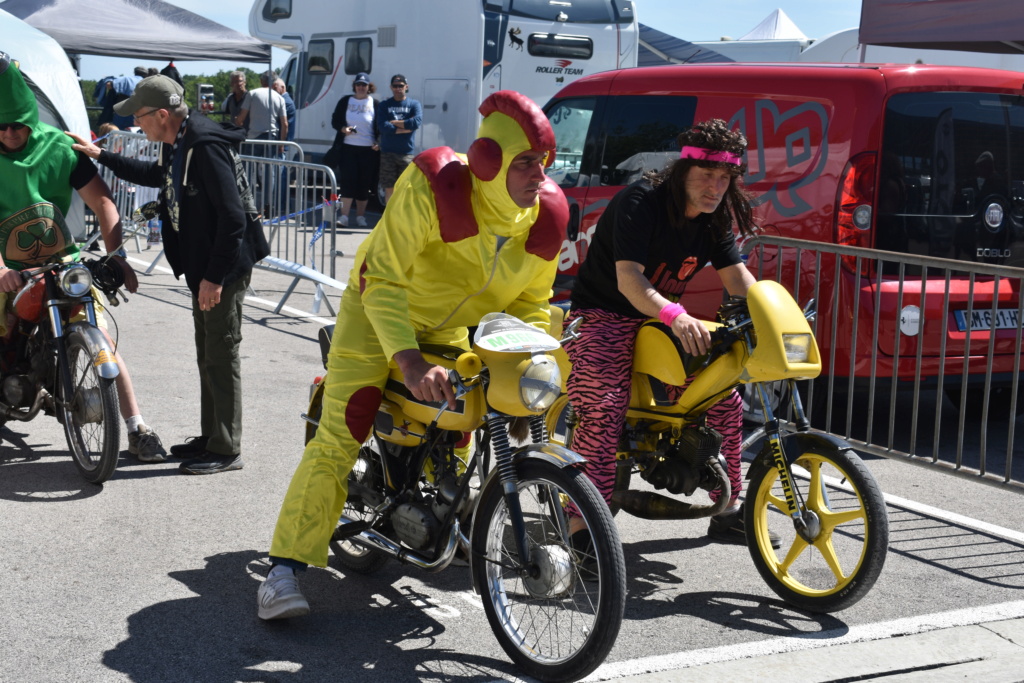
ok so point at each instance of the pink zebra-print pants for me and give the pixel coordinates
(599, 388)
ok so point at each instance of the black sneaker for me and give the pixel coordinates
(193, 447)
(730, 528)
(212, 463)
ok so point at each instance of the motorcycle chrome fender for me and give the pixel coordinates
(99, 348)
(559, 456)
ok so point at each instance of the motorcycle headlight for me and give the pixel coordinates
(76, 280)
(540, 383)
(798, 347)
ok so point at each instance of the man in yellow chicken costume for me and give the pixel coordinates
(462, 236)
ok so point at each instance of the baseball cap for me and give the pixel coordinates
(362, 77)
(158, 91)
(399, 79)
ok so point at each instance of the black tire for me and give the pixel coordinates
(839, 489)
(353, 556)
(560, 624)
(91, 422)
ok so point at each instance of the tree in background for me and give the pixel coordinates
(220, 81)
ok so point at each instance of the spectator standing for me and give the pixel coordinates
(232, 104)
(355, 119)
(213, 236)
(399, 117)
(38, 171)
(289, 107)
(113, 89)
(171, 72)
(263, 112)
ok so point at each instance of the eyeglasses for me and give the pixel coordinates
(12, 126)
(139, 116)
(362, 85)
(397, 85)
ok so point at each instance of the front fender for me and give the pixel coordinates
(99, 348)
(559, 456)
(795, 444)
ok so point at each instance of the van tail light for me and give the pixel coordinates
(855, 202)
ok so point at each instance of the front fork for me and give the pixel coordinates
(803, 522)
(501, 451)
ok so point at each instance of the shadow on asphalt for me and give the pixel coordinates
(26, 476)
(361, 628)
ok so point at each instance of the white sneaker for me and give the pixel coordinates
(361, 221)
(343, 221)
(280, 598)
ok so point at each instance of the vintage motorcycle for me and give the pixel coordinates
(811, 489)
(554, 600)
(55, 359)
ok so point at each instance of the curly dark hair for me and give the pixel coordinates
(713, 134)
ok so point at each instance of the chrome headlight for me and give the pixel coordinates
(540, 383)
(798, 347)
(76, 280)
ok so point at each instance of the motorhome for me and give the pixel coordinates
(453, 53)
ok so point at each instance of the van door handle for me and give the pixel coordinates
(572, 231)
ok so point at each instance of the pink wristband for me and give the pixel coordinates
(670, 312)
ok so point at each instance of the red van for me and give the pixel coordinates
(915, 159)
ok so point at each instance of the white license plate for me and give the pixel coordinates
(1005, 319)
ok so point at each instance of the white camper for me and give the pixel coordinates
(454, 54)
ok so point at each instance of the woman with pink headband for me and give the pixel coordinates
(651, 240)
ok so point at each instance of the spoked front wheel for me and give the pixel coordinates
(89, 415)
(848, 531)
(558, 617)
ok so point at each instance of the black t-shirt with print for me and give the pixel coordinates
(636, 227)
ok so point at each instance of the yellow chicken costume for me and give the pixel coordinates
(451, 247)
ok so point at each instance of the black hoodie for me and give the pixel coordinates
(219, 235)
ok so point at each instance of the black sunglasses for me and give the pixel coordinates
(12, 126)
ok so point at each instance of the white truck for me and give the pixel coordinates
(454, 54)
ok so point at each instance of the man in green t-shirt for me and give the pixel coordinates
(38, 171)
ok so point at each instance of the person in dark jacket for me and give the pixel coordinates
(212, 236)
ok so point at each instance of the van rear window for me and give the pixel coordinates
(951, 177)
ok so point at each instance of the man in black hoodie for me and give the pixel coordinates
(212, 235)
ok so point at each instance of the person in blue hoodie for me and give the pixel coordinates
(398, 118)
(213, 236)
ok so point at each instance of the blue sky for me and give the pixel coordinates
(704, 20)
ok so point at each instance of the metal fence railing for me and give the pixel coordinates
(297, 200)
(921, 356)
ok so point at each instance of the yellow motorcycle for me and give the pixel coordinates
(553, 599)
(809, 489)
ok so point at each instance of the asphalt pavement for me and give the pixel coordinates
(153, 576)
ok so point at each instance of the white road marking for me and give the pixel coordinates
(809, 641)
(256, 300)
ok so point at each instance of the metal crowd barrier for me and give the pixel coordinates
(297, 201)
(943, 408)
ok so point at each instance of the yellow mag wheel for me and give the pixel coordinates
(848, 524)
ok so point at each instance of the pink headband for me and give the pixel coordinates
(690, 152)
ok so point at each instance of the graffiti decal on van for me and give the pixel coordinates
(787, 152)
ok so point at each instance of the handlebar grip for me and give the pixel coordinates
(468, 365)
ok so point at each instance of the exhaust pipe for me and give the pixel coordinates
(375, 541)
(648, 505)
(9, 413)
